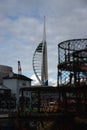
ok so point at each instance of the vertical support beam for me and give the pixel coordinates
(39, 100)
(22, 101)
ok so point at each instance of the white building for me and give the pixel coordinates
(15, 82)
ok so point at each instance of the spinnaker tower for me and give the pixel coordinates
(40, 65)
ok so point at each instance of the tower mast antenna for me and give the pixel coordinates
(19, 68)
(44, 32)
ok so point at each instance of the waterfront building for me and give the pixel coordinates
(15, 82)
(7, 99)
(12, 81)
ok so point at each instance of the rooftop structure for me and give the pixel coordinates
(19, 68)
(17, 76)
(4, 71)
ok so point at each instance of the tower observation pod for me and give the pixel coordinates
(40, 60)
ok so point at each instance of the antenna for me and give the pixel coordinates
(19, 68)
(44, 32)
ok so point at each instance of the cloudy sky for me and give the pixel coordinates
(21, 30)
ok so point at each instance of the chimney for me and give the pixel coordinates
(19, 68)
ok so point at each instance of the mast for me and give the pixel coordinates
(19, 68)
(44, 32)
(44, 71)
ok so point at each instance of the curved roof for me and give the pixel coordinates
(73, 44)
(17, 76)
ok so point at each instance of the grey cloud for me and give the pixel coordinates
(21, 29)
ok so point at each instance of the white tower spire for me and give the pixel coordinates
(40, 66)
(44, 71)
(44, 32)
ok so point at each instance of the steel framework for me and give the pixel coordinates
(71, 53)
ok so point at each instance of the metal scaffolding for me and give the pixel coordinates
(68, 61)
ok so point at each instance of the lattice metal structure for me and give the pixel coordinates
(40, 61)
(68, 53)
(80, 64)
